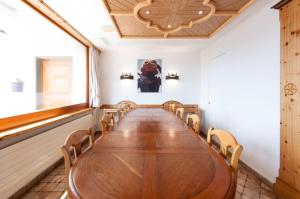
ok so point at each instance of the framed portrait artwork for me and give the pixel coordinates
(149, 75)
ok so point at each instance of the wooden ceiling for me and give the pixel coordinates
(173, 18)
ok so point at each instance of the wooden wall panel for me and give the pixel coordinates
(288, 183)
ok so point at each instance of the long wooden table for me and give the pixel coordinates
(151, 154)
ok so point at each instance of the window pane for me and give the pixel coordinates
(41, 66)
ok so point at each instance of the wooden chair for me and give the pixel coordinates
(107, 122)
(180, 112)
(73, 144)
(195, 122)
(126, 107)
(121, 115)
(169, 107)
(173, 108)
(166, 105)
(112, 111)
(227, 141)
(129, 104)
(122, 107)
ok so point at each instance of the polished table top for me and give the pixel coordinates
(151, 154)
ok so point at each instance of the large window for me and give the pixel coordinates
(41, 66)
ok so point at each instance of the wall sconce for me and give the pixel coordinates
(172, 76)
(126, 76)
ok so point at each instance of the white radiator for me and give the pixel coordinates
(22, 162)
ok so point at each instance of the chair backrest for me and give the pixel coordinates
(196, 123)
(166, 105)
(127, 107)
(121, 115)
(73, 144)
(180, 112)
(124, 107)
(227, 140)
(172, 108)
(107, 121)
(121, 107)
(128, 103)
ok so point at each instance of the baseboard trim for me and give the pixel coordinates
(258, 175)
(285, 191)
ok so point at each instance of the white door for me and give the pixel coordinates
(219, 92)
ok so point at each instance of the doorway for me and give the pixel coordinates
(54, 80)
(217, 92)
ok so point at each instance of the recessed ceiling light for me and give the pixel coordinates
(200, 12)
(148, 12)
(107, 28)
(169, 26)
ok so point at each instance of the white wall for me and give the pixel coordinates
(240, 87)
(186, 62)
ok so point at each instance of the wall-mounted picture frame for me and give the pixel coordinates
(149, 75)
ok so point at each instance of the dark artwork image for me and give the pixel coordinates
(149, 72)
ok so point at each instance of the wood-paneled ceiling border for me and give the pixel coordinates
(44, 9)
(231, 13)
(232, 17)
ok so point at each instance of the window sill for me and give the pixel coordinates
(12, 133)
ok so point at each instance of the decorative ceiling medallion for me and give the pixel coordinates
(167, 12)
(173, 18)
(290, 89)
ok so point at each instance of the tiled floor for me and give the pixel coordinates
(54, 184)
(50, 187)
(250, 187)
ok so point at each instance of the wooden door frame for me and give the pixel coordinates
(283, 189)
